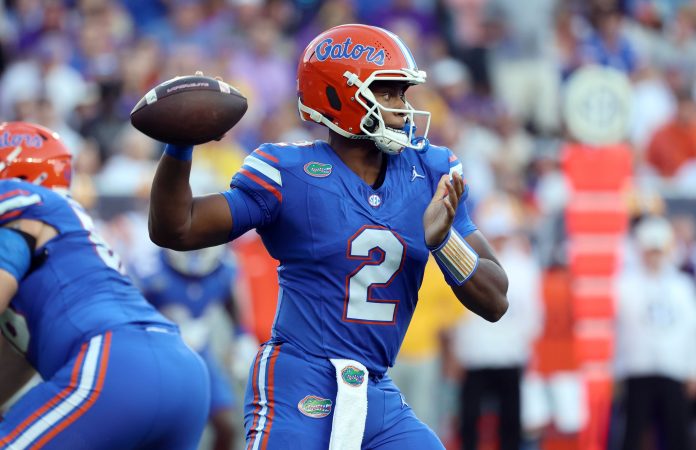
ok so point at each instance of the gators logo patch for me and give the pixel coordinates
(8, 139)
(327, 49)
(353, 376)
(317, 169)
(315, 407)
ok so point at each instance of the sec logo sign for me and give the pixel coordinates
(597, 105)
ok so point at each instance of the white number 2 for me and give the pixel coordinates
(359, 307)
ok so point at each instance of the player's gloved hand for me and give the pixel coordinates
(244, 349)
(195, 333)
(439, 215)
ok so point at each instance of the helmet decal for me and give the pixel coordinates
(8, 139)
(327, 49)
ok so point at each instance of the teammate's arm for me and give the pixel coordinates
(484, 292)
(15, 260)
(8, 288)
(180, 221)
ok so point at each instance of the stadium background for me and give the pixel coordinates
(497, 74)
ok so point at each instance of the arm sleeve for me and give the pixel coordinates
(256, 190)
(15, 254)
(462, 221)
(246, 212)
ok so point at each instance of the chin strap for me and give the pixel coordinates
(318, 117)
(388, 142)
(421, 144)
(418, 143)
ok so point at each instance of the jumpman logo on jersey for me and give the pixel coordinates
(415, 174)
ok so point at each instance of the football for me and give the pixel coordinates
(189, 110)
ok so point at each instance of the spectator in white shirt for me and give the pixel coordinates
(494, 356)
(655, 336)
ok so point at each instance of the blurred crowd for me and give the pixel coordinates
(496, 76)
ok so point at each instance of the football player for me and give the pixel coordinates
(195, 290)
(351, 221)
(115, 373)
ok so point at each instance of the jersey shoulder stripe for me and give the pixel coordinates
(13, 202)
(261, 170)
(259, 165)
(442, 160)
(264, 173)
(456, 166)
(257, 180)
(260, 152)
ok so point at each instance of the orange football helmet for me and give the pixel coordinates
(333, 84)
(35, 154)
(196, 263)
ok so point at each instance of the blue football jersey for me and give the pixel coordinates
(77, 288)
(351, 257)
(164, 287)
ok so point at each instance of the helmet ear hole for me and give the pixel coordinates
(369, 123)
(332, 96)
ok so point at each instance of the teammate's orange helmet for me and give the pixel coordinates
(35, 154)
(333, 84)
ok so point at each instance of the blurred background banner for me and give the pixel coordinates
(597, 105)
(574, 121)
(596, 225)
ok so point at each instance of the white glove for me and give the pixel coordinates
(244, 351)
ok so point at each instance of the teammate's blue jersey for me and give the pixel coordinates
(351, 257)
(76, 289)
(164, 287)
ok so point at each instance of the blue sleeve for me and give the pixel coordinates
(16, 197)
(15, 255)
(246, 212)
(462, 222)
(261, 177)
(630, 57)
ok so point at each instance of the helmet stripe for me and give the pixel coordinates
(404, 49)
(10, 158)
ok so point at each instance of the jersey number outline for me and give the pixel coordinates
(359, 306)
(103, 250)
